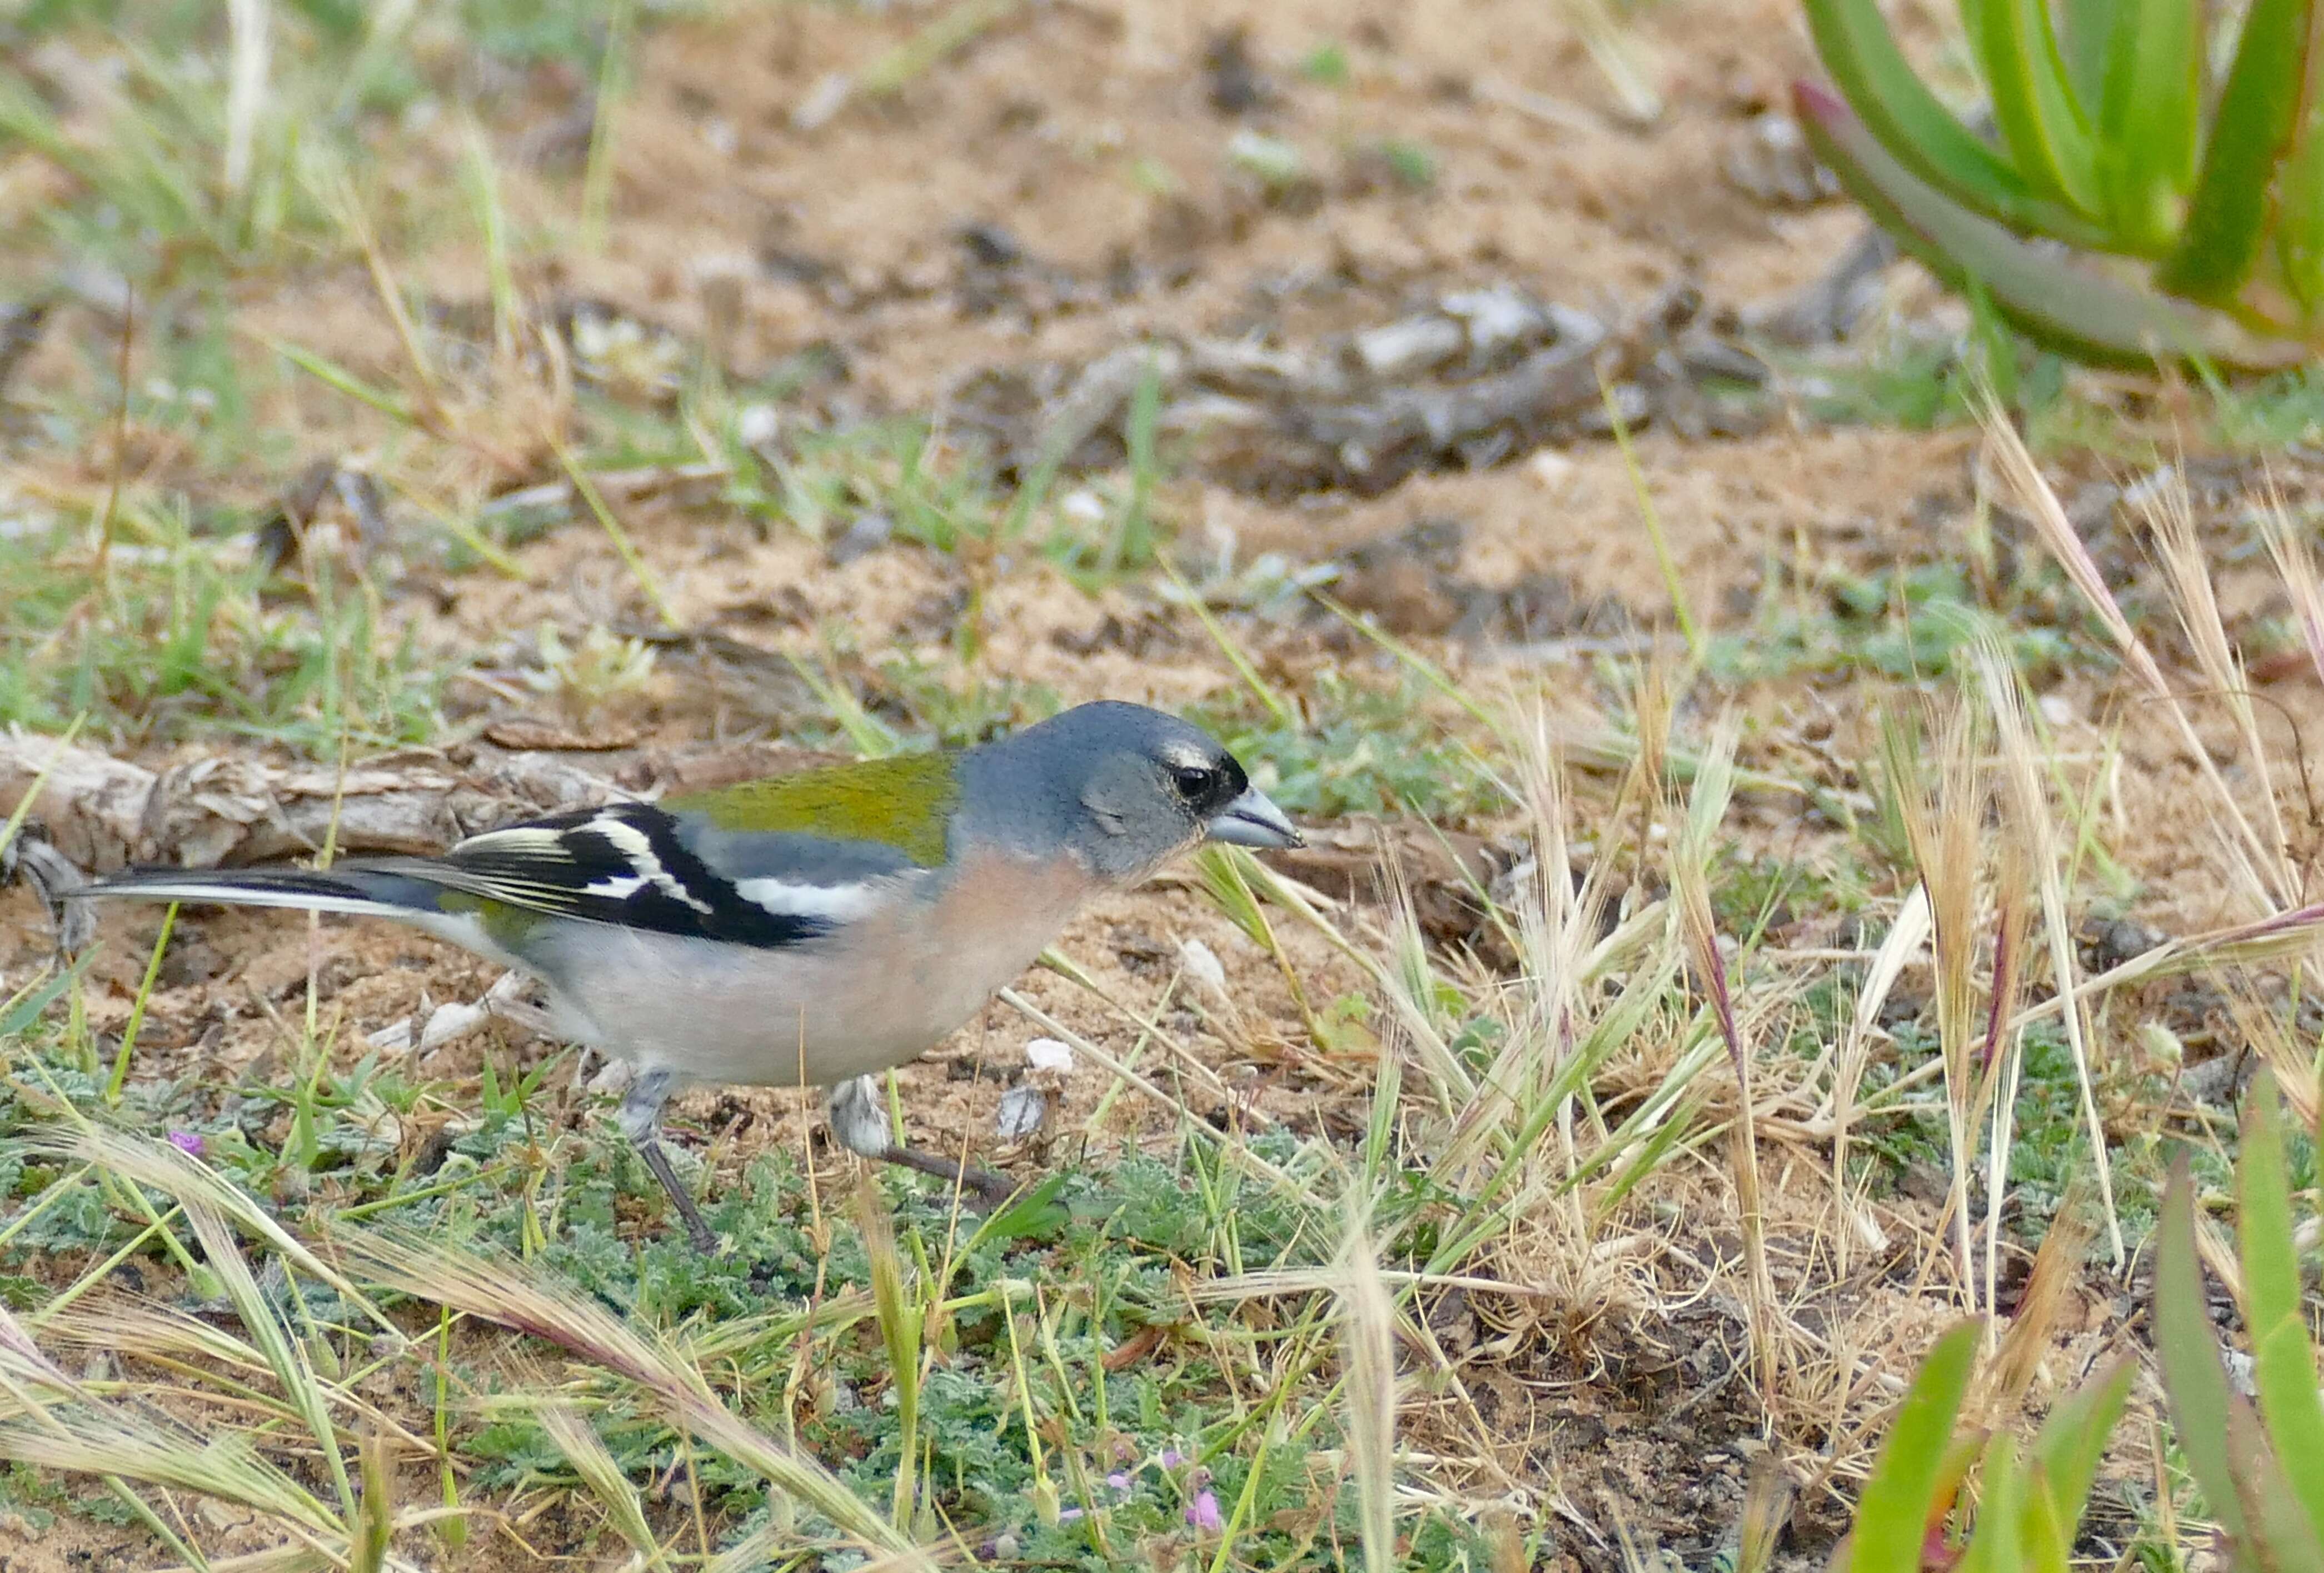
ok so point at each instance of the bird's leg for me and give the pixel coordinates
(640, 1118)
(859, 1119)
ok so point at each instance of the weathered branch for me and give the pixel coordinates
(105, 814)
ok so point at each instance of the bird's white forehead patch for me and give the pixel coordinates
(1185, 756)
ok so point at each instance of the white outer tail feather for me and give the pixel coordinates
(225, 893)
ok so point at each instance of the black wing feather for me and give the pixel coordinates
(551, 865)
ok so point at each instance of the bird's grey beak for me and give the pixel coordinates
(1252, 820)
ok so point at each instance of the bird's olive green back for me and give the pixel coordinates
(906, 803)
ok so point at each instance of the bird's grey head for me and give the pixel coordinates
(1123, 787)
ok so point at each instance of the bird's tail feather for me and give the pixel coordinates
(369, 890)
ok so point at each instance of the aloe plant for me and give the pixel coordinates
(2124, 207)
(2029, 1501)
(2254, 1458)
(2256, 1463)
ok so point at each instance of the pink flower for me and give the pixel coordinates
(1203, 1513)
(187, 1142)
(1118, 1481)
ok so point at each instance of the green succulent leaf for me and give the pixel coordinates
(2044, 128)
(2194, 1381)
(1892, 1514)
(2281, 1540)
(2284, 1365)
(2050, 298)
(2073, 1439)
(2089, 28)
(2150, 119)
(2300, 213)
(2251, 131)
(2045, 1537)
(1919, 131)
(1993, 1544)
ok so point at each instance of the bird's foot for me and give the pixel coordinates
(697, 1228)
(859, 1119)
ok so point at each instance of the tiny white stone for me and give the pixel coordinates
(1082, 506)
(1022, 1109)
(2058, 708)
(1551, 469)
(824, 100)
(1204, 962)
(758, 425)
(1049, 1054)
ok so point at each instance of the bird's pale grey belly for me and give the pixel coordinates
(884, 991)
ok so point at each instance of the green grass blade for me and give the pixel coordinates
(1891, 1515)
(334, 376)
(16, 817)
(2149, 118)
(2052, 301)
(1919, 131)
(22, 1010)
(2046, 129)
(137, 1007)
(2194, 1380)
(2250, 133)
(2284, 1365)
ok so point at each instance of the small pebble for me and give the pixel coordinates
(1023, 1107)
(1203, 963)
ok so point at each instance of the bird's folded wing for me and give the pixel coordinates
(678, 871)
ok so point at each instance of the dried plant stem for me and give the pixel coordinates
(1944, 827)
(1652, 517)
(1369, 1329)
(1904, 941)
(2031, 809)
(1692, 849)
(2057, 531)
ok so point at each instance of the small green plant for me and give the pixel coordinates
(585, 677)
(2238, 1450)
(2193, 205)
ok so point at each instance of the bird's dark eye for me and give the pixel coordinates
(1196, 782)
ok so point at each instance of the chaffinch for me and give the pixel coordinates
(810, 929)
